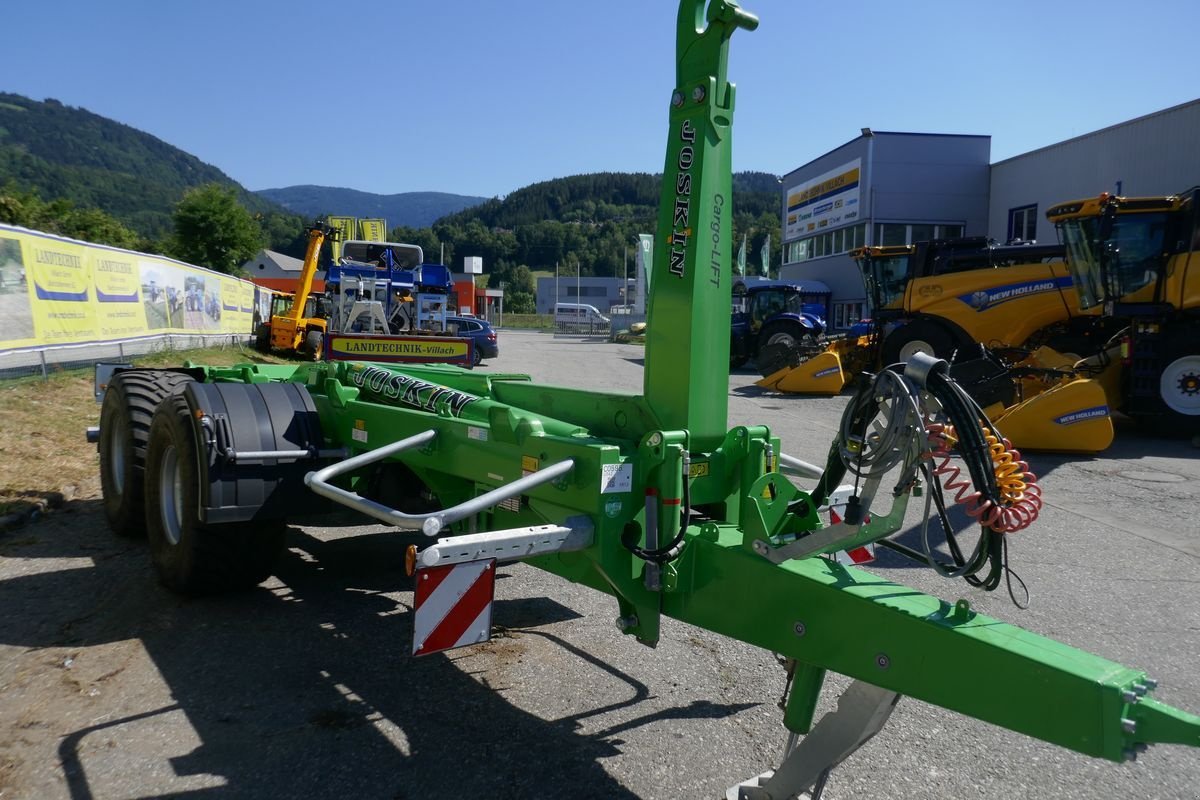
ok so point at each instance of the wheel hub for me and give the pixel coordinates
(910, 349)
(1179, 385)
(171, 496)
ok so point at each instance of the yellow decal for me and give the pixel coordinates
(698, 469)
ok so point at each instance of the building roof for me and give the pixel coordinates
(872, 133)
(268, 264)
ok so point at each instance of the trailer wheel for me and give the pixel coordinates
(1179, 390)
(919, 336)
(314, 342)
(191, 557)
(125, 418)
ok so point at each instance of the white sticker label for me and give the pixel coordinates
(615, 478)
(478, 434)
(359, 435)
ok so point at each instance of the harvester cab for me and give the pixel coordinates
(651, 498)
(1134, 259)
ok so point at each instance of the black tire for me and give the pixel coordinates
(477, 357)
(190, 557)
(262, 338)
(922, 335)
(314, 343)
(786, 333)
(125, 417)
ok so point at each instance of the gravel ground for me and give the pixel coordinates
(111, 687)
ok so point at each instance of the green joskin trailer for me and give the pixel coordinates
(649, 498)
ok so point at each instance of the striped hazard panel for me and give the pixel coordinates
(453, 606)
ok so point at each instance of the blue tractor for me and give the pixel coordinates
(774, 318)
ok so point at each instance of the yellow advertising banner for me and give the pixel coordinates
(347, 228)
(373, 230)
(61, 291)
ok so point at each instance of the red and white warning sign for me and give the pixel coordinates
(453, 606)
(836, 507)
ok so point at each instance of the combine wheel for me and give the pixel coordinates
(919, 336)
(1179, 390)
(314, 342)
(192, 557)
(125, 417)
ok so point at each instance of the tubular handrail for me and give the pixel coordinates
(432, 522)
(798, 467)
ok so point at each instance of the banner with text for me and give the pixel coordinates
(826, 201)
(62, 291)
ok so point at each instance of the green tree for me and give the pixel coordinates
(520, 292)
(27, 209)
(214, 230)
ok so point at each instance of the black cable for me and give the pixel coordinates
(663, 555)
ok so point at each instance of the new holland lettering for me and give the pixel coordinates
(410, 391)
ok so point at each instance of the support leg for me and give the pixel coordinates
(861, 713)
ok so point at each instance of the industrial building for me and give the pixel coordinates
(884, 188)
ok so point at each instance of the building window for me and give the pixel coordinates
(846, 314)
(1022, 224)
(899, 233)
(842, 240)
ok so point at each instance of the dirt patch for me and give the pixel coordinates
(44, 458)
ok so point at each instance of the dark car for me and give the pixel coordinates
(478, 331)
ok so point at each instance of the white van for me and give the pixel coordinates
(578, 316)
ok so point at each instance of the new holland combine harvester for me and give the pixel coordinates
(650, 498)
(945, 298)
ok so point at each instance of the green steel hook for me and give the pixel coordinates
(703, 39)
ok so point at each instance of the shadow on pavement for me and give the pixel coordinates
(308, 689)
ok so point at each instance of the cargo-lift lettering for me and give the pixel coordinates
(715, 226)
(683, 200)
(411, 391)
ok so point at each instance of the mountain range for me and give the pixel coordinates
(408, 209)
(585, 222)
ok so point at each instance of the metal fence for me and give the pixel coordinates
(45, 361)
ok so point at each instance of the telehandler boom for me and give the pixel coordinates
(649, 498)
(297, 326)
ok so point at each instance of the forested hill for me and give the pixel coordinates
(70, 153)
(585, 223)
(608, 197)
(412, 209)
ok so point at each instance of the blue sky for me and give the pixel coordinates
(480, 97)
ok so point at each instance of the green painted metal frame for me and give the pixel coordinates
(823, 615)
